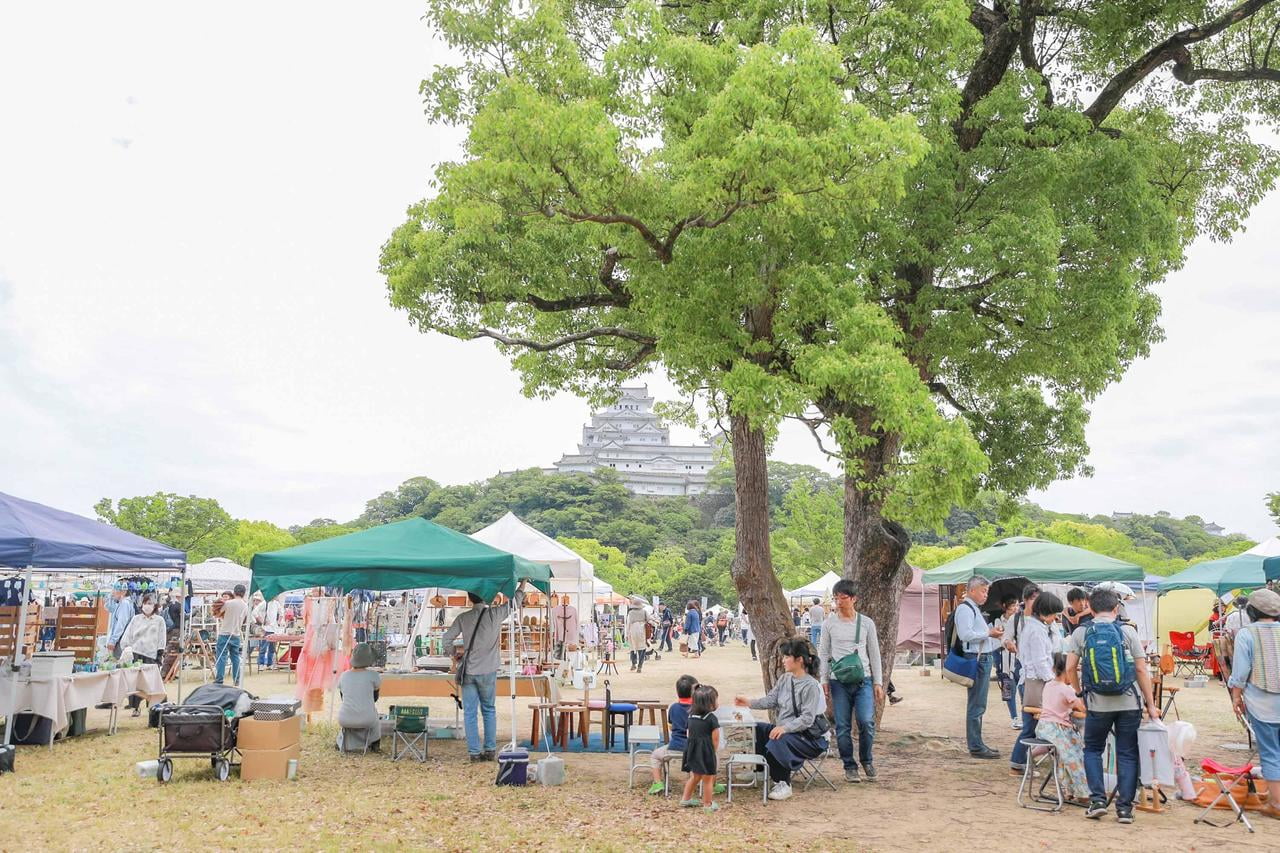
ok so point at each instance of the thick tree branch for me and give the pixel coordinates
(1172, 49)
(558, 343)
(1000, 40)
(941, 389)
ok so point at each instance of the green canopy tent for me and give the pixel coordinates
(1243, 571)
(1038, 561)
(403, 555)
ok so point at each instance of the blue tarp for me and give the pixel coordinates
(40, 536)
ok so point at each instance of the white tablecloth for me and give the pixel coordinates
(56, 698)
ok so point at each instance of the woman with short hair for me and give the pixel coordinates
(800, 711)
(1035, 655)
(1255, 686)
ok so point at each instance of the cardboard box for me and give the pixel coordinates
(269, 734)
(267, 763)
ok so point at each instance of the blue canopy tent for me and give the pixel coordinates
(38, 537)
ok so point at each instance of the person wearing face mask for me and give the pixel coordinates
(145, 634)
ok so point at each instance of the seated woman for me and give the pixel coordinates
(358, 715)
(797, 700)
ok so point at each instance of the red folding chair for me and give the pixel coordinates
(1227, 778)
(1188, 658)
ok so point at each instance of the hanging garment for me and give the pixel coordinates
(564, 623)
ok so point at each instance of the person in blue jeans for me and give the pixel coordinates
(978, 640)
(1107, 714)
(848, 632)
(235, 614)
(479, 631)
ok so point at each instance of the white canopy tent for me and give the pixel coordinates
(570, 574)
(217, 574)
(820, 588)
(1269, 548)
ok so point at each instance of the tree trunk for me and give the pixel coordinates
(758, 586)
(875, 551)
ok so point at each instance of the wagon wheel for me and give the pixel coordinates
(221, 769)
(164, 772)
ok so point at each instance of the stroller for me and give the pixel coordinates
(204, 726)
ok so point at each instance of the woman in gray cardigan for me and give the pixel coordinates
(797, 702)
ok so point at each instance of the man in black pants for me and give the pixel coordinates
(665, 623)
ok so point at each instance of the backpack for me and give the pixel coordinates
(1105, 662)
(949, 629)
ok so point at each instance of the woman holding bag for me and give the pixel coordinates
(1035, 654)
(851, 676)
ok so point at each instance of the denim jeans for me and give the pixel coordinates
(665, 643)
(815, 633)
(977, 705)
(854, 703)
(479, 693)
(1018, 758)
(1267, 737)
(227, 649)
(266, 653)
(1097, 725)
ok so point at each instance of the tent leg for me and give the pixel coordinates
(17, 659)
(182, 630)
(514, 658)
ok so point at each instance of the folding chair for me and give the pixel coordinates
(1042, 756)
(409, 736)
(1227, 778)
(811, 770)
(643, 741)
(1189, 659)
(738, 741)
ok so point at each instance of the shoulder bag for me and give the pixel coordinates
(820, 725)
(959, 667)
(849, 669)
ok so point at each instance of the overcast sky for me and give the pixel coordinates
(192, 201)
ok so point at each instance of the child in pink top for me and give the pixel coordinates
(1055, 726)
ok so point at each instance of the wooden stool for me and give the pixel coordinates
(606, 666)
(657, 716)
(563, 715)
(539, 710)
(1172, 703)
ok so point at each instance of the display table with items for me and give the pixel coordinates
(56, 697)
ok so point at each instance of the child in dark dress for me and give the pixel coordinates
(700, 750)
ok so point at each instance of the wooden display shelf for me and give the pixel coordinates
(9, 629)
(79, 627)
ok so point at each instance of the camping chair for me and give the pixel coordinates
(1188, 657)
(811, 769)
(1227, 779)
(409, 736)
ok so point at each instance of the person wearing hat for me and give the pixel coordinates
(1255, 686)
(358, 716)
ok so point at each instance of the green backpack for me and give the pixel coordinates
(849, 669)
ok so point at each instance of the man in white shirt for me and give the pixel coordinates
(234, 615)
(816, 614)
(979, 640)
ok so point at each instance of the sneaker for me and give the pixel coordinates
(690, 804)
(869, 771)
(1015, 725)
(488, 755)
(1123, 815)
(718, 788)
(1097, 808)
(657, 788)
(781, 791)
(476, 758)
(714, 807)
(851, 775)
(894, 700)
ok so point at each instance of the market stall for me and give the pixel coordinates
(403, 555)
(38, 538)
(571, 574)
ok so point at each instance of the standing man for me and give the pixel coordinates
(980, 641)
(816, 614)
(272, 623)
(1115, 670)
(1078, 612)
(847, 633)
(1255, 686)
(667, 622)
(235, 612)
(121, 613)
(479, 631)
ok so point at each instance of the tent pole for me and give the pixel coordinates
(511, 621)
(182, 630)
(922, 623)
(17, 659)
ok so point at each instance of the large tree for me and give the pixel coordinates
(664, 183)
(199, 526)
(1273, 506)
(658, 198)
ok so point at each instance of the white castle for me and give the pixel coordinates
(629, 438)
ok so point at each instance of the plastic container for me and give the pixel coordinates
(147, 769)
(292, 772)
(551, 771)
(513, 767)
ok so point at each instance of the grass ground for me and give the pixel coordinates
(84, 795)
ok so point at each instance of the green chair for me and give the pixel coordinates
(409, 737)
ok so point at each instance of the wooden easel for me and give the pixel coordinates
(1151, 799)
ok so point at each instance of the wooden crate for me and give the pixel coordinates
(9, 629)
(79, 627)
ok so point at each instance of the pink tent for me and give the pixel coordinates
(912, 618)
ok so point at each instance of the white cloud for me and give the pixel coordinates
(189, 299)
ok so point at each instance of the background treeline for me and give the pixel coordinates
(678, 548)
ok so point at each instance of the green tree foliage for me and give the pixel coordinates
(402, 503)
(1273, 506)
(252, 537)
(199, 526)
(320, 529)
(809, 539)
